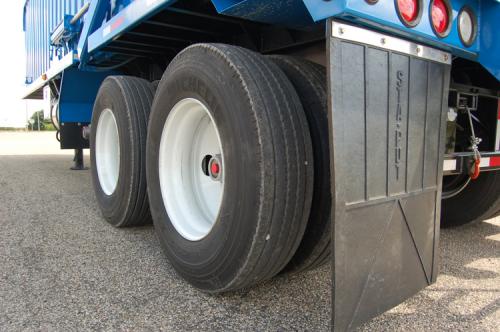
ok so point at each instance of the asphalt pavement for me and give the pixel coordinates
(62, 268)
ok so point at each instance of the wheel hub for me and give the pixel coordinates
(215, 168)
(107, 146)
(192, 195)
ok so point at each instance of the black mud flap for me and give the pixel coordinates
(387, 119)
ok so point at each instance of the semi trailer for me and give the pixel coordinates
(272, 137)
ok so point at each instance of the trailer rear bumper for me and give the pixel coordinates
(387, 122)
(459, 162)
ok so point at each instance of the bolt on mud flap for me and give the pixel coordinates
(387, 128)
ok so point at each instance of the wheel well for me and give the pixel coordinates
(147, 49)
(467, 72)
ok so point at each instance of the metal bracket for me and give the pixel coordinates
(359, 35)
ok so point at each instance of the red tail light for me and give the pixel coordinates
(408, 11)
(440, 17)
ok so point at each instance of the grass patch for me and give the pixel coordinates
(12, 129)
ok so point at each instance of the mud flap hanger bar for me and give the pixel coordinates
(371, 38)
(388, 103)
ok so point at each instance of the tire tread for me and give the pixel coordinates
(137, 95)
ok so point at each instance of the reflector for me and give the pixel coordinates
(467, 26)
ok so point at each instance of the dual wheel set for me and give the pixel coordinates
(228, 156)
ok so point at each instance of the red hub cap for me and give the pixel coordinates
(215, 168)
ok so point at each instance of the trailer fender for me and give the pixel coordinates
(77, 94)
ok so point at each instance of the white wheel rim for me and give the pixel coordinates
(192, 198)
(107, 152)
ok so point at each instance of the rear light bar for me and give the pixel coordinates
(440, 17)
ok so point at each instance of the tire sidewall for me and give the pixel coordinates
(238, 212)
(113, 206)
(477, 202)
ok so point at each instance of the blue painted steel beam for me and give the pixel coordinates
(93, 20)
(128, 18)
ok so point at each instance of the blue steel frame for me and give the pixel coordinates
(126, 19)
(380, 15)
(95, 16)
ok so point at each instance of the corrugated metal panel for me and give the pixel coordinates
(40, 18)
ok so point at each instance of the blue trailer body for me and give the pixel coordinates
(40, 20)
(106, 20)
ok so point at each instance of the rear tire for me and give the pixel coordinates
(494, 215)
(479, 201)
(265, 159)
(118, 150)
(310, 82)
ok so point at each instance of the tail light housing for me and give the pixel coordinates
(441, 17)
(409, 11)
(467, 26)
